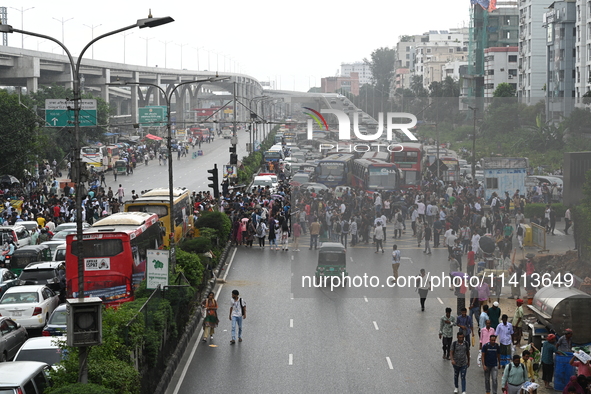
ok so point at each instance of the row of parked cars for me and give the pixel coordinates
(32, 290)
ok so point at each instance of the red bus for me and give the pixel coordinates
(410, 161)
(375, 175)
(114, 250)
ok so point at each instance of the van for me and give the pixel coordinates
(60, 253)
(17, 377)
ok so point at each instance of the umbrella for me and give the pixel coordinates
(487, 244)
(295, 183)
(8, 179)
(153, 137)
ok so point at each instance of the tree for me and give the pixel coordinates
(504, 90)
(382, 69)
(21, 142)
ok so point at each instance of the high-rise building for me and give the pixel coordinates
(361, 68)
(561, 53)
(532, 51)
(500, 66)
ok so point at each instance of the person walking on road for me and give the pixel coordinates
(237, 314)
(427, 238)
(395, 261)
(504, 332)
(446, 331)
(460, 359)
(297, 232)
(567, 220)
(210, 322)
(465, 323)
(261, 232)
(314, 233)
(514, 376)
(491, 360)
(423, 288)
(378, 235)
(120, 194)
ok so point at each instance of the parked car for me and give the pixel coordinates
(30, 377)
(50, 273)
(29, 305)
(44, 349)
(69, 226)
(12, 337)
(58, 322)
(7, 280)
(29, 224)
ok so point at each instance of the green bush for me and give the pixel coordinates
(539, 209)
(218, 221)
(80, 388)
(190, 265)
(197, 245)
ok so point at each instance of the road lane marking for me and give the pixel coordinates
(440, 301)
(375, 324)
(290, 359)
(290, 323)
(365, 298)
(190, 359)
(292, 257)
(291, 296)
(389, 363)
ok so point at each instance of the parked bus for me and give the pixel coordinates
(409, 159)
(375, 175)
(95, 156)
(114, 253)
(157, 201)
(335, 170)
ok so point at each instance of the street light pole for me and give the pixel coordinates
(147, 39)
(474, 109)
(22, 11)
(63, 21)
(75, 68)
(91, 27)
(124, 41)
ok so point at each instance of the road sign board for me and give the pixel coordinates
(60, 113)
(153, 115)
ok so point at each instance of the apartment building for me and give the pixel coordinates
(362, 69)
(500, 66)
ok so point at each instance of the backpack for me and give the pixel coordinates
(399, 218)
(338, 227)
(519, 230)
(259, 229)
(346, 227)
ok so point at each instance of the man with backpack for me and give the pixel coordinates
(237, 314)
(344, 232)
(514, 376)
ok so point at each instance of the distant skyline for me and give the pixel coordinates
(293, 46)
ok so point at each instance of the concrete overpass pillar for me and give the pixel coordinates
(157, 92)
(32, 84)
(135, 77)
(104, 87)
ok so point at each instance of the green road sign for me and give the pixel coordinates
(152, 116)
(60, 113)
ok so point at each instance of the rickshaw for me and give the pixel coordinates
(120, 167)
(332, 260)
(28, 254)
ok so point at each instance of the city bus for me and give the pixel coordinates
(114, 253)
(335, 170)
(112, 156)
(157, 201)
(95, 156)
(375, 175)
(409, 159)
(453, 168)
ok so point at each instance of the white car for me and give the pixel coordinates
(43, 349)
(30, 306)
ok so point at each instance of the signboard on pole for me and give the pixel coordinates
(60, 113)
(156, 268)
(230, 172)
(154, 115)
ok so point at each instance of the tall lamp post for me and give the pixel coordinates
(168, 99)
(474, 109)
(75, 68)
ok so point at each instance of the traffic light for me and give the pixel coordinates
(232, 149)
(84, 319)
(233, 159)
(214, 181)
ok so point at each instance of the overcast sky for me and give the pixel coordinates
(292, 43)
